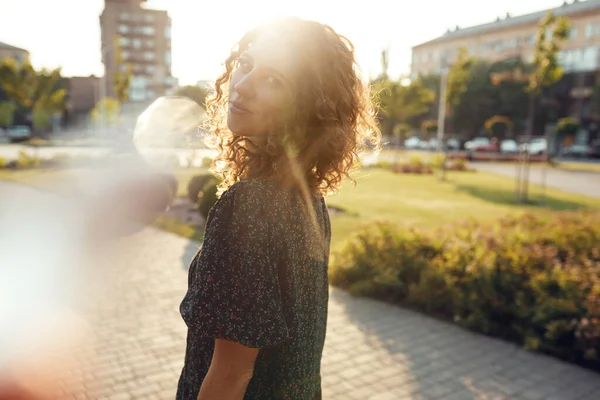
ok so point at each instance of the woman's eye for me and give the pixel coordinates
(272, 81)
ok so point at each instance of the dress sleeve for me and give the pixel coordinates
(238, 295)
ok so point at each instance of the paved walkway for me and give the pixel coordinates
(580, 182)
(373, 351)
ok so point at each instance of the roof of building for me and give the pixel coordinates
(9, 47)
(575, 7)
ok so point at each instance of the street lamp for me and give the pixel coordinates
(442, 110)
(442, 103)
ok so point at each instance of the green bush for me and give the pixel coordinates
(196, 184)
(26, 161)
(206, 162)
(416, 162)
(208, 197)
(438, 161)
(531, 279)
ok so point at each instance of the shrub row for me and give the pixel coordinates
(417, 165)
(531, 279)
(202, 191)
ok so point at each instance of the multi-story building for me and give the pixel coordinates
(8, 51)
(144, 40)
(82, 95)
(510, 36)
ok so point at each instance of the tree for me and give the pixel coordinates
(34, 91)
(596, 95)
(7, 113)
(399, 103)
(122, 79)
(458, 77)
(546, 71)
(195, 93)
(499, 126)
(428, 128)
(107, 110)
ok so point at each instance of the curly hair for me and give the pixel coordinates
(319, 140)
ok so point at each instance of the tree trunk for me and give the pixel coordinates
(527, 157)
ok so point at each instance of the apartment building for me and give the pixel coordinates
(144, 37)
(509, 36)
(16, 53)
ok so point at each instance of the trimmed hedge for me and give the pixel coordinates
(208, 196)
(531, 279)
(196, 184)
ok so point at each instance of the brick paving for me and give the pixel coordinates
(373, 351)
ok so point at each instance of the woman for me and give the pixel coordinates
(289, 118)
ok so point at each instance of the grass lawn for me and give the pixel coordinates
(380, 195)
(424, 201)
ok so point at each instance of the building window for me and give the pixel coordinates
(149, 44)
(149, 56)
(573, 33)
(168, 32)
(168, 58)
(485, 48)
(589, 58)
(149, 18)
(592, 30)
(137, 44)
(123, 68)
(148, 30)
(123, 41)
(124, 16)
(125, 55)
(123, 29)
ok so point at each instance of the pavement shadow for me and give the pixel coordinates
(433, 359)
(507, 197)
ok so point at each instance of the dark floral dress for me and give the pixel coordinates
(260, 279)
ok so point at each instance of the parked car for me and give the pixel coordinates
(19, 133)
(537, 146)
(476, 142)
(453, 144)
(509, 146)
(577, 150)
(412, 143)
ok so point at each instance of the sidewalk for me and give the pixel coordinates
(585, 183)
(373, 351)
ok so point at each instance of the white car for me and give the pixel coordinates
(412, 143)
(19, 132)
(509, 146)
(479, 141)
(537, 146)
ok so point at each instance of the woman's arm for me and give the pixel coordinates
(230, 371)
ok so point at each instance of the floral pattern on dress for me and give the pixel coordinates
(260, 279)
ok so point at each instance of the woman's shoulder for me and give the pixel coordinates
(260, 191)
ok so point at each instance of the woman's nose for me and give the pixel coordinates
(245, 86)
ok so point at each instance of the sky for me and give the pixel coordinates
(66, 33)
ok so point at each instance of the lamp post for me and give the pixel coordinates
(442, 111)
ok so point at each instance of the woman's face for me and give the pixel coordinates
(261, 87)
